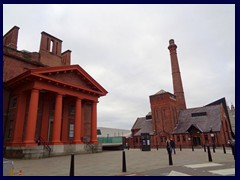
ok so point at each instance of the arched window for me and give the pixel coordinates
(51, 46)
(56, 47)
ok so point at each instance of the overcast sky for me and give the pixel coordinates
(125, 49)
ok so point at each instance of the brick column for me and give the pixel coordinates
(19, 120)
(32, 118)
(94, 123)
(181, 139)
(203, 139)
(57, 120)
(78, 121)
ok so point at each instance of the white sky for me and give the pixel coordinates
(124, 48)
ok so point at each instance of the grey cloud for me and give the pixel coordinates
(124, 47)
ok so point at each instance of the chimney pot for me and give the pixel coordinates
(171, 42)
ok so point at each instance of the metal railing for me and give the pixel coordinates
(45, 145)
(86, 141)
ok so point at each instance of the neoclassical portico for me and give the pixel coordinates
(49, 105)
(58, 104)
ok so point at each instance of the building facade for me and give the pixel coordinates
(170, 119)
(50, 106)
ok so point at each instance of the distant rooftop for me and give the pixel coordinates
(160, 92)
(112, 132)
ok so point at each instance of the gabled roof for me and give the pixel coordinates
(143, 125)
(224, 104)
(55, 75)
(202, 118)
(195, 126)
(160, 92)
(139, 123)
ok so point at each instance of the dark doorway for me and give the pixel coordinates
(196, 141)
(145, 142)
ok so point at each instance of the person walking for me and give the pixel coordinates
(168, 146)
(172, 145)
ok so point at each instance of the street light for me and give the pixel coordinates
(189, 138)
(213, 139)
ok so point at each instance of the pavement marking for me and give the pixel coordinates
(131, 175)
(224, 172)
(175, 173)
(203, 165)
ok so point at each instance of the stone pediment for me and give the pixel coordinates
(72, 78)
(72, 75)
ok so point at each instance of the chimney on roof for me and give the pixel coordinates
(51, 51)
(66, 57)
(176, 76)
(51, 44)
(11, 37)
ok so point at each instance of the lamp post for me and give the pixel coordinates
(189, 137)
(213, 139)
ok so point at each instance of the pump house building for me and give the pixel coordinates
(170, 117)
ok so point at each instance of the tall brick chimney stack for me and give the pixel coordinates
(11, 37)
(176, 76)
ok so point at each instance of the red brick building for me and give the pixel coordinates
(169, 117)
(49, 104)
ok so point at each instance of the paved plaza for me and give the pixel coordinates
(138, 163)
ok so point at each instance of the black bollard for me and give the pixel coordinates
(124, 169)
(204, 148)
(72, 166)
(128, 147)
(180, 148)
(224, 150)
(209, 154)
(192, 148)
(174, 151)
(170, 157)
(157, 147)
